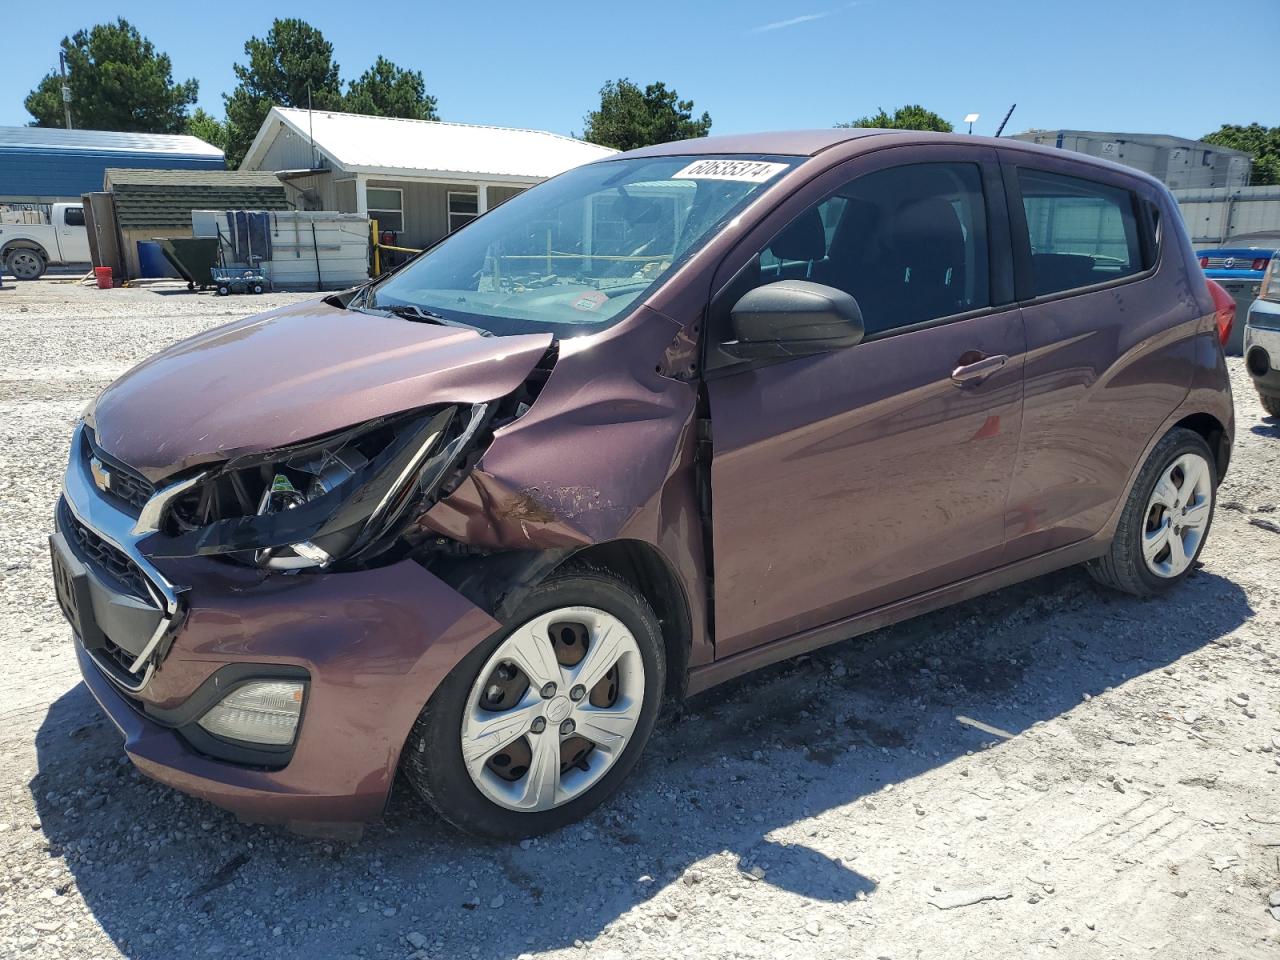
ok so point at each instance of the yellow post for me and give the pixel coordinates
(377, 253)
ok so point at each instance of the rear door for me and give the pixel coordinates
(845, 481)
(1110, 350)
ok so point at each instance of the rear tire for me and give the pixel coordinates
(1166, 519)
(1270, 403)
(26, 264)
(481, 793)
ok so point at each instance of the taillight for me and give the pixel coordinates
(1224, 306)
(1260, 263)
(1271, 281)
(1204, 263)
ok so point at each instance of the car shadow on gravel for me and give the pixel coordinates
(738, 789)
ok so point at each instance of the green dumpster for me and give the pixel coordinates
(192, 257)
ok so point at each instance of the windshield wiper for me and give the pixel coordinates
(411, 311)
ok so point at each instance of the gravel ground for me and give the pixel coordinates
(1051, 770)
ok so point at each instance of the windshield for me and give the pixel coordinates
(572, 255)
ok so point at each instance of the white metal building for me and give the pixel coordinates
(1176, 161)
(1220, 215)
(420, 179)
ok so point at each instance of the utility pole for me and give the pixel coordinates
(311, 129)
(66, 90)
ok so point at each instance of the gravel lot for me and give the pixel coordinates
(1104, 772)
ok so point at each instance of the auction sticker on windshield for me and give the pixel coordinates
(747, 171)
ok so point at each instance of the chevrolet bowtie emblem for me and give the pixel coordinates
(101, 475)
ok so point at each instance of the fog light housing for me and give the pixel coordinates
(264, 712)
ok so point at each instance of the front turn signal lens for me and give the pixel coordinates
(264, 711)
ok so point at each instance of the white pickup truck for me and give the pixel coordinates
(26, 249)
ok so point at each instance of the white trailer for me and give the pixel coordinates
(310, 250)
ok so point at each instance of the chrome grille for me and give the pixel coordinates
(1236, 263)
(123, 482)
(118, 660)
(105, 557)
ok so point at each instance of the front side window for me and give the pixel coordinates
(909, 243)
(1081, 232)
(386, 205)
(574, 254)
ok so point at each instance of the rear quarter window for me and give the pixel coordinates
(1081, 232)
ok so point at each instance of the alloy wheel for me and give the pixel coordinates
(1177, 515)
(553, 708)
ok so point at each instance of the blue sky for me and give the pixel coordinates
(1131, 65)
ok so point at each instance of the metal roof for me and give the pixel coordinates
(426, 148)
(1166, 140)
(110, 141)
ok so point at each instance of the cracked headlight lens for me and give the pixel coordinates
(315, 504)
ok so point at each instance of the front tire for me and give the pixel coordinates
(1166, 519)
(542, 722)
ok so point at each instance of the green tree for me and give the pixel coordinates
(1263, 143)
(386, 90)
(118, 81)
(293, 57)
(911, 117)
(208, 128)
(629, 117)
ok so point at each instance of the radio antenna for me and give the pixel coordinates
(1000, 129)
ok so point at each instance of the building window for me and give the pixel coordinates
(386, 205)
(463, 208)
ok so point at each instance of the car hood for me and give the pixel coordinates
(293, 374)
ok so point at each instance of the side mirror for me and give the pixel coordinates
(793, 318)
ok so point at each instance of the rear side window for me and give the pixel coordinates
(1081, 232)
(74, 216)
(909, 243)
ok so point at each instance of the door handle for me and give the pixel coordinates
(977, 370)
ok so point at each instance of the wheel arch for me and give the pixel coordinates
(23, 243)
(498, 583)
(1214, 433)
(645, 567)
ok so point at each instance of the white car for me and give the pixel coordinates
(27, 249)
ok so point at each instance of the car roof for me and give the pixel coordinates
(794, 143)
(811, 143)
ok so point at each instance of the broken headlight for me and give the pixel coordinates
(315, 504)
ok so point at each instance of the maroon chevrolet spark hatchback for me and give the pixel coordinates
(661, 420)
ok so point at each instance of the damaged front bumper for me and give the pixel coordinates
(160, 641)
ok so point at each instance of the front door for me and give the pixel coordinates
(73, 237)
(845, 481)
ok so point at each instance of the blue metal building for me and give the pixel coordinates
(45, 165)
